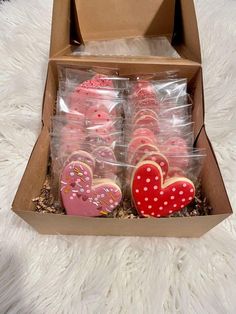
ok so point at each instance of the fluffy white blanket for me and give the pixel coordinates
(58, 274)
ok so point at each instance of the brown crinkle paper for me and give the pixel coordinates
(45, 204)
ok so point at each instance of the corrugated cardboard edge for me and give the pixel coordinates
(74, 225)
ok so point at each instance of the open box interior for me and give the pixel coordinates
(81, 21)
(37, 170)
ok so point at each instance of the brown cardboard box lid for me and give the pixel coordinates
(84, 20)
(106, 19)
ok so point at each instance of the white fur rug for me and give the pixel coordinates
(58, 274)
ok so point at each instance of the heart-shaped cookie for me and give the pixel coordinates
(154, 198)
(82, 196)
(141, 151)
(82, 156)
(160, 159)
(106, 163)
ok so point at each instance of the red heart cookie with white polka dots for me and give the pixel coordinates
(160, 159)
(154, 198)
(83, 196)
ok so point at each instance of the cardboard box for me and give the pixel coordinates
(69, 24)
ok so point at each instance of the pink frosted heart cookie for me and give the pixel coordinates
(176, 150)
(154, 198)
(106, 163)
(141, 151)
(145, 112)
(100, 117)
(143, 90)
(149, 121)
(82, 196)
(94, 140)
(68, 147)
(144, 132)
(95, 109)
(69, 133)
(176, 172)
(147, 103)
(98, 81)
(136, 142)
(82, 156)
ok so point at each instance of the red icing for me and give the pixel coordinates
(160, 159)
(153, 198)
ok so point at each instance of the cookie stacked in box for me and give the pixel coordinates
(159, 138)
(85, 131)
(114, 138)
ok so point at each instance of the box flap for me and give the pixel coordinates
(186, 37)
(106, 19)
(61, 23)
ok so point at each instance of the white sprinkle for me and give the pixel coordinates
(85, 173)
(88, 191)
(145, 188)
(150, 206)
(181, 193)
(190, 198)
(146, 199)
(71, 197)
(156, 178)
(184, 185)
(111, 201)
(174, 189)
(139, 203)
(155, 187)
(142, 212)
(162, 164)
(155, 199)
(82, 190)
(172, 197)
(102, 195)
(165, 203)
(158, 216)
(138, 177)
(170, 211)
(137, 190)
(183, 199)
(161, 193)
(96, 199)
(116, 203)
(72, 174)
(175, 205)
(87, 178)
(74, 194)
(148, 180)
(182, 206)
(112, 206)
(191, 190)
(160, 207)
(148, 169)
(152, 214)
